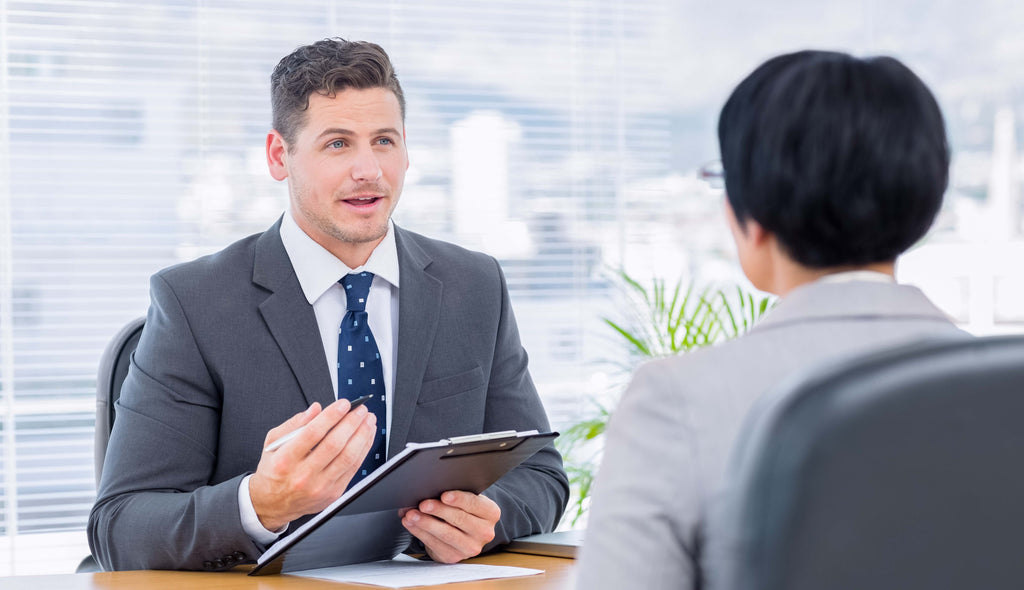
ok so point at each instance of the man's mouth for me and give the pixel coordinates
(362, 201)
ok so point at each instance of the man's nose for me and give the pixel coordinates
(366, 167)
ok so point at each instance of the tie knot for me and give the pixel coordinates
(357, 288)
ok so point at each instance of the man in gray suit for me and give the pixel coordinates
(242, 347)
(834, 166)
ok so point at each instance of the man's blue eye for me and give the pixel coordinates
(386, 140)
(338, 144)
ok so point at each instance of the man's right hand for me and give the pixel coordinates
(312, 470)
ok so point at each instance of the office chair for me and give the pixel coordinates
(901, 470)
(112, 371)
(113, 368)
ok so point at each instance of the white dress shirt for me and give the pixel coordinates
(318, 272)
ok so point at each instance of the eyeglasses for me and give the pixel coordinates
(712, 173)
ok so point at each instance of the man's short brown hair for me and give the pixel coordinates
(326, 67)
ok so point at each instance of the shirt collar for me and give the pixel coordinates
(857, 275)
(318, 270)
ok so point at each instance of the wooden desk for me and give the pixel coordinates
(558, 575)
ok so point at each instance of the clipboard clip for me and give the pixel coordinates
(469, 438)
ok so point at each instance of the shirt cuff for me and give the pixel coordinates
(250, 521)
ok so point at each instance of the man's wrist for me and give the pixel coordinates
(251, 523)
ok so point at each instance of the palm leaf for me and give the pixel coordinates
(663, 320)
(636, 341)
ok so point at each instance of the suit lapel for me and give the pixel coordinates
(290, 318)
(419, 305)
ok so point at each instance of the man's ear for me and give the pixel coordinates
(405, 142)
(277, 154)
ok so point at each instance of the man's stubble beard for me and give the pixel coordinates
(327, 225)
(360, 236)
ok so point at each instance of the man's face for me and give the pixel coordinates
(345, 168)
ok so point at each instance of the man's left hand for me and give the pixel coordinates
(454, 527)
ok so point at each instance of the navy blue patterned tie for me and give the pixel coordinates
(360, 371)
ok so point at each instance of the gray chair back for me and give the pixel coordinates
(895, 471)
(112, 371)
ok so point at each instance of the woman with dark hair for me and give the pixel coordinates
(834, 166)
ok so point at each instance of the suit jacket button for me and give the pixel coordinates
(229, 559)
(217, 564)
(208, 565)
(239, 556)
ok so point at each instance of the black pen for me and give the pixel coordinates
(281, 441)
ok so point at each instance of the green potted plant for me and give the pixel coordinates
(663, 321)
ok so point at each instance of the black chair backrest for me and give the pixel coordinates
(112, 371)
(902, 470)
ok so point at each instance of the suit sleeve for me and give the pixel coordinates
(155, 508)
(532, 496)
(641, 531)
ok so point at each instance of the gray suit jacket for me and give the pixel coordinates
(669, 441)
(231, 349)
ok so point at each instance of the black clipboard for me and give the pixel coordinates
(365, 524)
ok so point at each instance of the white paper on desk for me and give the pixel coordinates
(404, 571)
